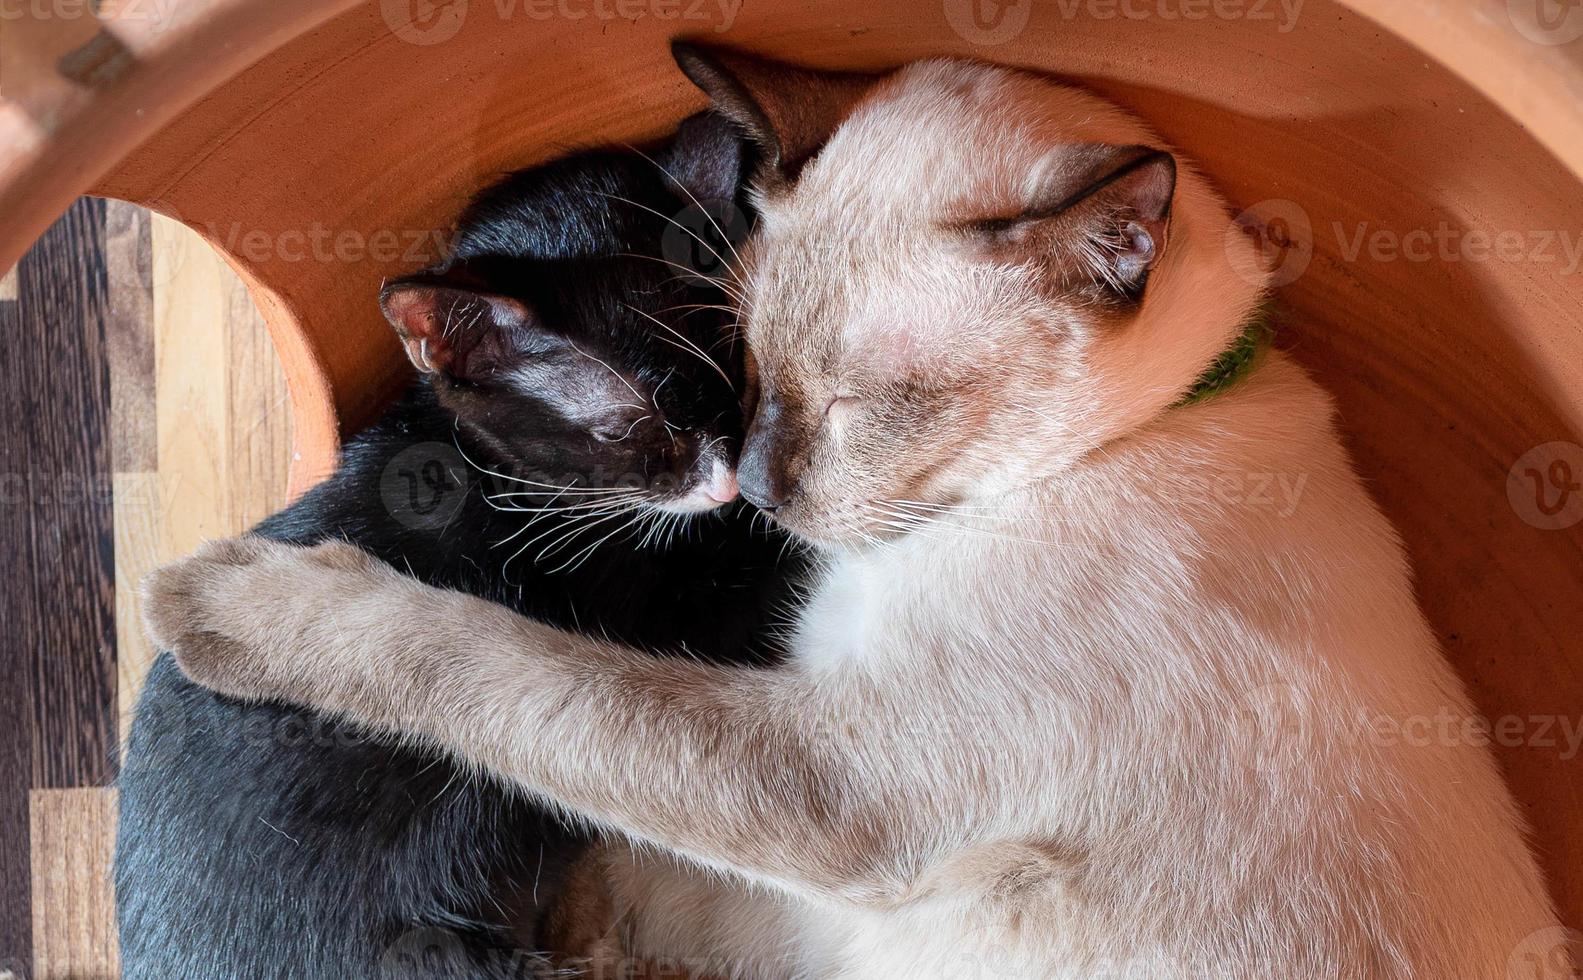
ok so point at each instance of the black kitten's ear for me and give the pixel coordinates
(789, 112)
(452, 329)
(707, 158)
(1103, 224)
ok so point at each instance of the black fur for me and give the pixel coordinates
(261, 841)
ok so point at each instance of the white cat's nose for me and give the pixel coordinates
(722, 487)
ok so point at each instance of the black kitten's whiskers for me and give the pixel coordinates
(685, 345)
(724, 237)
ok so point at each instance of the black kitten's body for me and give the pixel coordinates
(258, 841)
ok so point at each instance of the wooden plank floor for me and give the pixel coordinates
(144, 412)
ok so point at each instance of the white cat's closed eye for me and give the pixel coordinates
(841, 401)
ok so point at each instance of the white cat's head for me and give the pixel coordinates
(965, 278)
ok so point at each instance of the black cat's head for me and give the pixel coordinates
(579, 330)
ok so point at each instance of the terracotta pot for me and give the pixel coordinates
(318, 143)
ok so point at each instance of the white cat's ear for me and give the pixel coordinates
(450, 328)
(1099, 222)
(788, 112)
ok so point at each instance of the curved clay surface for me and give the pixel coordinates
(1375, 140)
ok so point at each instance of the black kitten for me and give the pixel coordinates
(577, 403)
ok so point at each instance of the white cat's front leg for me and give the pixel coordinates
(731, 767)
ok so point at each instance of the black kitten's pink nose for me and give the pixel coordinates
(722, 486)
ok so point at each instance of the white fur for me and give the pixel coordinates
(1132, 704)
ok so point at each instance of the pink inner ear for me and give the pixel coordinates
(442, 327)
(416, 313)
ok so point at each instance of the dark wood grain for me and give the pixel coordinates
(56, 544)
(67, 561)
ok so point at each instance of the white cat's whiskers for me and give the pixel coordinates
(549, 488)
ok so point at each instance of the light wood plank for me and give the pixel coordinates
(191, 372)
(73, 840)
(139, 522)
(223, 420)
(129, 335)
(259, 412)
(8, 291)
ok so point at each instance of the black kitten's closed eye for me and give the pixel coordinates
(617, 430)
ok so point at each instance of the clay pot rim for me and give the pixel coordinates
(1538, 85)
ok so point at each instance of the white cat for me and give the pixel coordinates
(1078, 695)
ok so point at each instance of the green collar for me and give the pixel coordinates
(1237, 360)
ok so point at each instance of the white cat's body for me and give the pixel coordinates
(1182, 698)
